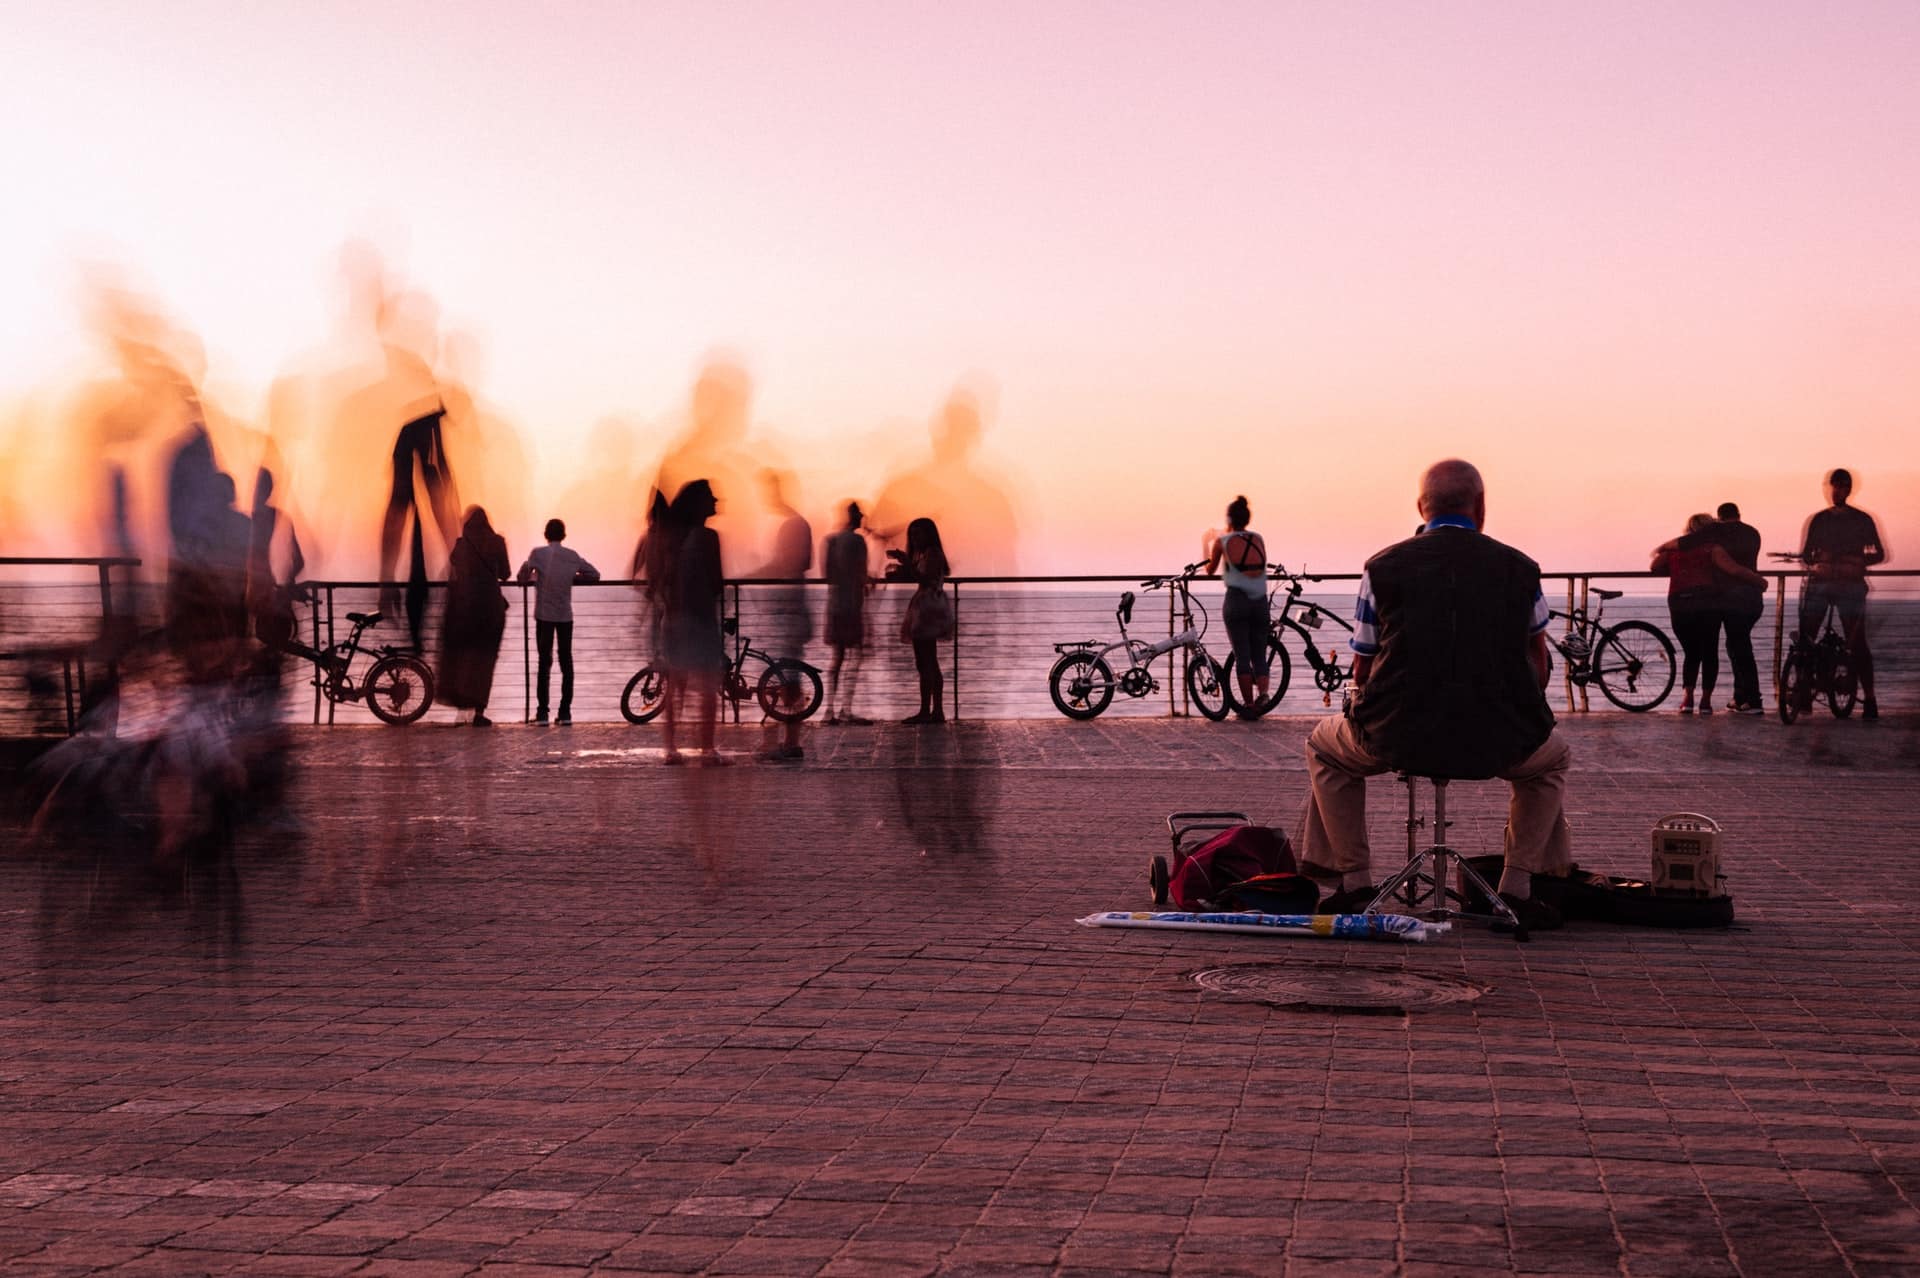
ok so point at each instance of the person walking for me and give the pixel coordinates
(844, 560)
(694, 652)
(929, 615)
(476, 616)
(1741, 604)
(1240, 557)
(1698, 568)
(554, 569)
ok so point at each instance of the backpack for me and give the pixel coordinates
(1246, 867)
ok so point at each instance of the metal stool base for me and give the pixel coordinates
(1427, 895)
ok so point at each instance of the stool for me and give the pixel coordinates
(1427, 895)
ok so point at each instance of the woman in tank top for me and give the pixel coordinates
(1240, 556)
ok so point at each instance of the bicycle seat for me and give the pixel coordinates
(1604, 595)
(1125, 610)
(364, 618)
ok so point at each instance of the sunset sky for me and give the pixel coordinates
(1634, 259)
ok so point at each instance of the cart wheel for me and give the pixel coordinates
(1157, 877)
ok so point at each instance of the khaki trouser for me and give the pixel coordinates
(1339, 763)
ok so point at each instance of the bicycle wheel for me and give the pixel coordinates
(1793, 684)
(775, 682)
(1206, 686)
(1843, 688)
(1633, 664)
(645, 696)
(1081, 684)
(1279, 671)
(399, 689)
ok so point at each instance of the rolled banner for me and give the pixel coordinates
(1355, 927)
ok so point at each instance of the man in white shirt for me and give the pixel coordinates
(555, 568)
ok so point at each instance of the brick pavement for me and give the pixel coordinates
(524, 1003)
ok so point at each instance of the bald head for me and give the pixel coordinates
(1453, 487)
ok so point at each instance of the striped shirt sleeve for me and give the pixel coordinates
(1366, 621)
(1539, 620)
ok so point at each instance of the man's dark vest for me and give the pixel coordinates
(1451, 691)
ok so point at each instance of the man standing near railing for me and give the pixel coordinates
(1740, 605)
(555, 569)
(1840, 544)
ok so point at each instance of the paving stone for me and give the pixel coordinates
(522, 1003)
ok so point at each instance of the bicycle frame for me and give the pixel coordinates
(1141, 653)
(1311, 618)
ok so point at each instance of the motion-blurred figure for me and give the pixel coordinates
(844, 561)
(952, 487)
(554, 569)
(476, 617)
(422, 487)
(694, 651)
(270, 593)
(929, 615)
(1839, 545)
(789, 624)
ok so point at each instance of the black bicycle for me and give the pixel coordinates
(397, 687)
(788, 689)
(1815, 667)
(1631, 662)
(1328, 674)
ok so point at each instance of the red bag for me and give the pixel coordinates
(1205, 876)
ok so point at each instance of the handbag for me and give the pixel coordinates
(929, 615)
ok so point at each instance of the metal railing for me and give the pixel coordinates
(996, 662)
(69, 625)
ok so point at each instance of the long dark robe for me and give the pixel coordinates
(476, 618)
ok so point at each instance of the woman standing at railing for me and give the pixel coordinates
(1698, 568)
(476, 616)
(929, 616)
(691, 639)
(1240, 557)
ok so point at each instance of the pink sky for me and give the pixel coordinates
(1633, 259)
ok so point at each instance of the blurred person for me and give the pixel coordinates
(692, 644)
(713, 446)
(1449, 679)
(1698, 570)
(1741, 605)
(953, 487)
(555, 569)
(929, 614)
(1241, 557)
(790, 625)
(270, 594)
(844, 560)
(1838, 545)
(419, 463)
(476, 617)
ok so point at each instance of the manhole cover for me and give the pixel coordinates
(1311, 985)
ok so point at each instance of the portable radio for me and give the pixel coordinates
(1686, 854)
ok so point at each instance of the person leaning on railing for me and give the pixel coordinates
(1699, 571)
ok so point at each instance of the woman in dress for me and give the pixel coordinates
(1240, 557)
(929, 616)
(1698, 568)
(476, 616)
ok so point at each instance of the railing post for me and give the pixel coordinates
(318, 673)
(526, 661)
(1171, 679)
(330, 702)
(737, 620)
(1566, 674)
(1779, 632)
(956, 650)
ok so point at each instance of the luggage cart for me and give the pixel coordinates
(1182, 827)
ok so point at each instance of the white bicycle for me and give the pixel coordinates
(1082, 680)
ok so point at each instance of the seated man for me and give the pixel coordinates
(1449, 679)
